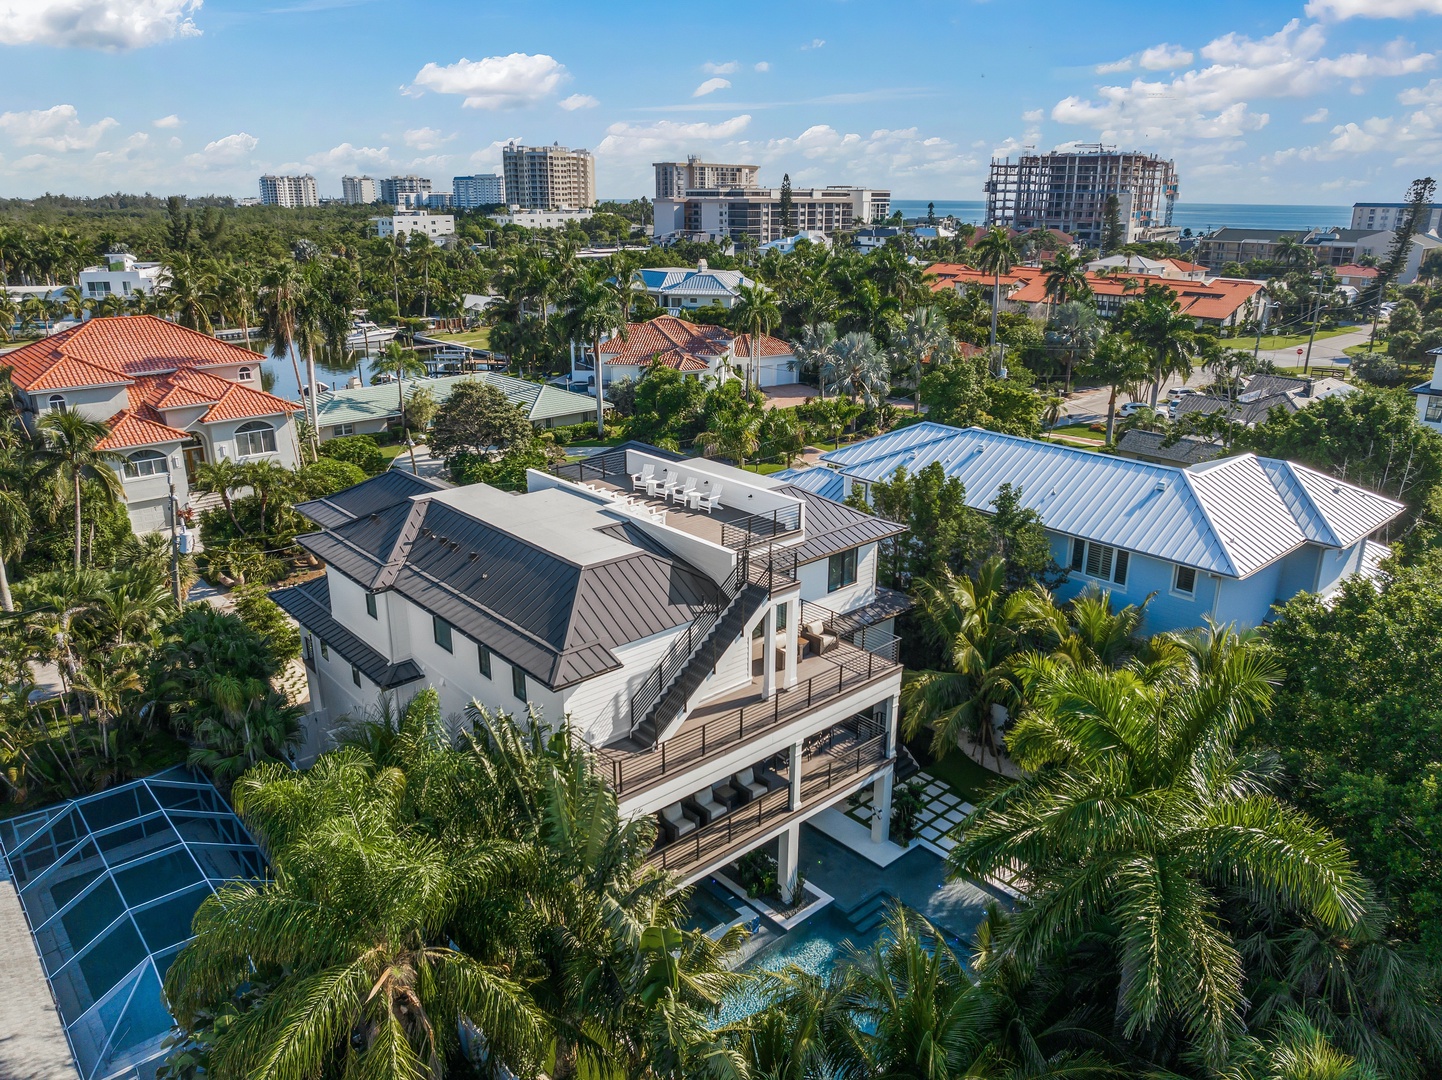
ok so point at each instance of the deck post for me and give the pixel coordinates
(796, 749)
(788, 858)
(768, 654)
(881, 807)
(793, 642)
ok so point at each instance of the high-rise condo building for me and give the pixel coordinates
(289, 191)
(483, 189)
(406, 191)
(357, 190)
(675, 178)
(548, 177)
(1068, 191)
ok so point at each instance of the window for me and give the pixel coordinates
(324, 651)
(442, 632)
(57, 403)
(146, 463)
(483, 656)
(254, 439)
(1184, 580)
(518, 682)
(371, 605)
(355, 674)
(244, 374)
(1434, 410)
(1100, 561)
(344, 429)
(841, 570)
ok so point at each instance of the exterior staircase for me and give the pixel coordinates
(671, 701)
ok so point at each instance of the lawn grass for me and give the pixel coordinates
(476, 339)
(1078, 431)
(969, 780)
(391, 452)
(1291, 341)
(765, 468)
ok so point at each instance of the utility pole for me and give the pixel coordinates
(174, 545)
(1316, 315)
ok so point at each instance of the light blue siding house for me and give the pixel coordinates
(1226, 539)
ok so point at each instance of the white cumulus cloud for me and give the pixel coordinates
(347, 156)
(97, 24)
(230, 150)
(578, 101)
(1431, 94)
(57, 128)
(815, 43)
(1316, 117)
(425, 138)
(762, 65)
(495, 82)
(1033, 116)
(710, 86)
(1372, 9)
(171, 121)
(627, 141)
(1165, 57)
(711, 67)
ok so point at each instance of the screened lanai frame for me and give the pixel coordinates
(109, 884)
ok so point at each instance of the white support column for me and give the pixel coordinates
(881, 807)
(788, 858)
(796, 776)
(768, 654)
(890, 718)
(793, 641)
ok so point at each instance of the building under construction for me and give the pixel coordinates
(1068, 191)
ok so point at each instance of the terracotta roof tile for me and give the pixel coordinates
(645, 340)
(241, 402)
(766, 345)
(137, 427)
(1218, 298)
(129, 345)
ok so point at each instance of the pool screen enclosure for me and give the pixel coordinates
(109, 884)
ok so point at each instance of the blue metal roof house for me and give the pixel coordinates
(1226, 539)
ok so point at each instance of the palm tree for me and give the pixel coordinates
(9, 311)
(1121, 364)
(734, 434)
(812, 349)
(395, 359)
(188, 293)
(110, 685)
(755, 312)
(70, 453)
(351, 936)
(857, 368)
(1137, 817)
(1066, 278)
(924, 338)
(804, 1031)
(1156, 323)
(981, 630)
(14, 531)
(222, 477)
(1077, 328)
(73, 301)
(995, 253)
(598, 307)
(282, 293)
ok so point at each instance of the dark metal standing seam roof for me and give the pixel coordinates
(832, 526)
(557, 621)
(380, 492)
(309, 604)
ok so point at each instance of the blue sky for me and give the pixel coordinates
(1314, 101)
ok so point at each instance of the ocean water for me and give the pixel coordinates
(1199, 217)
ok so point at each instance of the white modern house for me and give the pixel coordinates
(1429, 395)
(1225, 539)
(171, 397)
(122, 274)
(408, 222)
(697, 624)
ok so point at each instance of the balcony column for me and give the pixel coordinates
(768, 654)
(796, 776)
(881, 807)
(788, 858)
(890, 715)
(793, 641)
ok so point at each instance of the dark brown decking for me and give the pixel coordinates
(723, 525)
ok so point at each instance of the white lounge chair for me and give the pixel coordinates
(746, 781)
(674, 817)
(673, 483)
(644, 477)
(707, 804)
(711, 499)
(679, 495)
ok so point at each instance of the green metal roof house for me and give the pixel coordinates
(366, 410)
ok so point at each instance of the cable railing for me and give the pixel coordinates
(851, 630)
(819, 775)
(639, 769)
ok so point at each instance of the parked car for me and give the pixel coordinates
(1176, 393)
(1131, 408)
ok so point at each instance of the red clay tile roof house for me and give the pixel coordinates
(171, 397)
(693, 349)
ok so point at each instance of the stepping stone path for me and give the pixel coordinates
(942, 810)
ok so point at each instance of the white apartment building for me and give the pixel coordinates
(482, 189)
(407, 222)
(358, 190)
(548, 177)
(1385, 217)
(717, 214)
(705, 649)
(121, 275)
(289, 191)
(675, 178)
(405, 191)
(542, 219)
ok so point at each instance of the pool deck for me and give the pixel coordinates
(32, 1040)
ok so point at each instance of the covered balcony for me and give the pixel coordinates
(726, 818)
